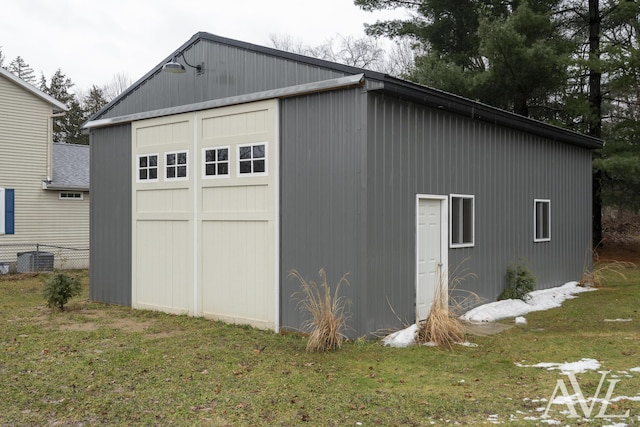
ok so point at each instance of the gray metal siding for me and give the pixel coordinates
(110, 218)
(229, 71)
(417, 150)
(323, 198)
(349, 205)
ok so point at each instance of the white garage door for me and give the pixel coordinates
(205, 209)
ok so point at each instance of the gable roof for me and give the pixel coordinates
(58, 106)
(379, 82)
(70, 167)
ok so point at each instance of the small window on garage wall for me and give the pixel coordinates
(461, 221)
(541, 220)
(176, 166)
(215, 162)
(147, 168)
(252, 159)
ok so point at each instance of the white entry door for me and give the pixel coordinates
(431, 251)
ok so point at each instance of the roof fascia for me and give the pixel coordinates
(58, 187)
(58, 106)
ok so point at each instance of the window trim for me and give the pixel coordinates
(239, 160)
(546, 238)
(471, 243)
(166, 165)
(204, 162)
(64, 195)
(157, 179)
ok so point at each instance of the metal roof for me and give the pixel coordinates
(387, 84)
(58, 106)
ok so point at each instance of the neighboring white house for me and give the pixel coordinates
(44, 187)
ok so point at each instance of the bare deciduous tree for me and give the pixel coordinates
(118, 84)
(362, 52)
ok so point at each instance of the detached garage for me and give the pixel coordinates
(209, 186)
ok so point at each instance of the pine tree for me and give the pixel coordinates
(21, 69)
(94, 101)
(64, 128)
(510, 54)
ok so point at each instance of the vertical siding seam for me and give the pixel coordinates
(195, 183)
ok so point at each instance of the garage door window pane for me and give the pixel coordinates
(252, 159)
(216, 162)
(176, 165)
(147, 168)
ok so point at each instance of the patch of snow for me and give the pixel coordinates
(493, 419)
(619, 398)
(618, 320)
(635, 369)
(539, 300)
(578, 367)
(520, 320)
(403, 338)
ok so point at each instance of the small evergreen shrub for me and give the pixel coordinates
(520, 282)
(59, 289)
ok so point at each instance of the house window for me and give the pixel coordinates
(148, 167)
(7, 210)
(70, 196)
(541, 220)
(461, 221)
(216, 162)
(176, 165)
(252, 159)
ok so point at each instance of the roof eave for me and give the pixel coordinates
(478, 111)
(58, 107)
(52, 186)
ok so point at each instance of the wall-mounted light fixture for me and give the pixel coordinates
(176, 67)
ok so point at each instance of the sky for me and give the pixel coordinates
(94, 40)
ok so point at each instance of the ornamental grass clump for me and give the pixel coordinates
(442, 327)
(326, 310)
(59, 289)
(597, 274)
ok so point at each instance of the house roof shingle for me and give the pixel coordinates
(70, 167)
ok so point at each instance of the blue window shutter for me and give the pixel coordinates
(9, 210)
